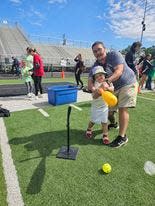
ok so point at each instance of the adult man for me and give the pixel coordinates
(125, 85)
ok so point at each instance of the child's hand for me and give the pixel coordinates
(96, 93)
(105, 86)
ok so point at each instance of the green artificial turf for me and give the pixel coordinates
(150, 95)
(20, 81)
(45, 180)
(2, 184)
(45, 80)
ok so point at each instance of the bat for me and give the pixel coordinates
(109, 98)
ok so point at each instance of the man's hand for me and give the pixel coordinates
(105, 86)
(118, 70)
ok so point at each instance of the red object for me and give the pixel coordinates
(38, 71)
(105, 140)
(62, 74)
(89, 134)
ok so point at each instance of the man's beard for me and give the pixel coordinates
(101, 58)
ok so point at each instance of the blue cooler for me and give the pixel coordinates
(62, 94)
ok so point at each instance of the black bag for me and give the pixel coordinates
(4, 112)
(32, 75)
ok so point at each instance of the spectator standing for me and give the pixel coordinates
(140, 65)
(15, 66)
(151, 75)
(63, 64)
(130, 57)
(146, 69)
(38, 71)
(79, 69)
(29, 60)
(26, 76)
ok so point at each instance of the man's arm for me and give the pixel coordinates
(91, 85)
(118, 70)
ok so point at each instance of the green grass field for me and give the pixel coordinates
(47, 80)
(150, 95)
(20, 81)
(2, 184)
(46, 180)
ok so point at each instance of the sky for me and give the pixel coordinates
(115, 22)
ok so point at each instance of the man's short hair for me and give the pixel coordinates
(96, 43)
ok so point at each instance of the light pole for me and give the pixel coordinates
(143, 22)
(64, 40)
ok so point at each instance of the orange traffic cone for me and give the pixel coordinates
(62, 74)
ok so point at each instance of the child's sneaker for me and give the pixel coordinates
(32, 95)
(89, 134)
(105, 139)
(40, 95)
(29, 95)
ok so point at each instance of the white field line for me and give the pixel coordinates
(14, 197)
(146, 98)
(45, 114)
(76, 107)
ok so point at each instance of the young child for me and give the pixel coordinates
(99, 109)
(26, 76)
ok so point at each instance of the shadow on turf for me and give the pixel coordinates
(45, 143)
(100, 172)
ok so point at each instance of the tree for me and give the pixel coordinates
(149, 50)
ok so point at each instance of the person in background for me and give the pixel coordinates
(125, 87)
(15, 66)
(63, 64)
(29, 60)
(151, 75)
(140, 65)
(38, 71)
(146, 69)
(79, 69)
(130, 57)
(26, 76)
(99, 109)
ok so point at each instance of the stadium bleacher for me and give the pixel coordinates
(13, 42)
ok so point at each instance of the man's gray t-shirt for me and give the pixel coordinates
(113, 59)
